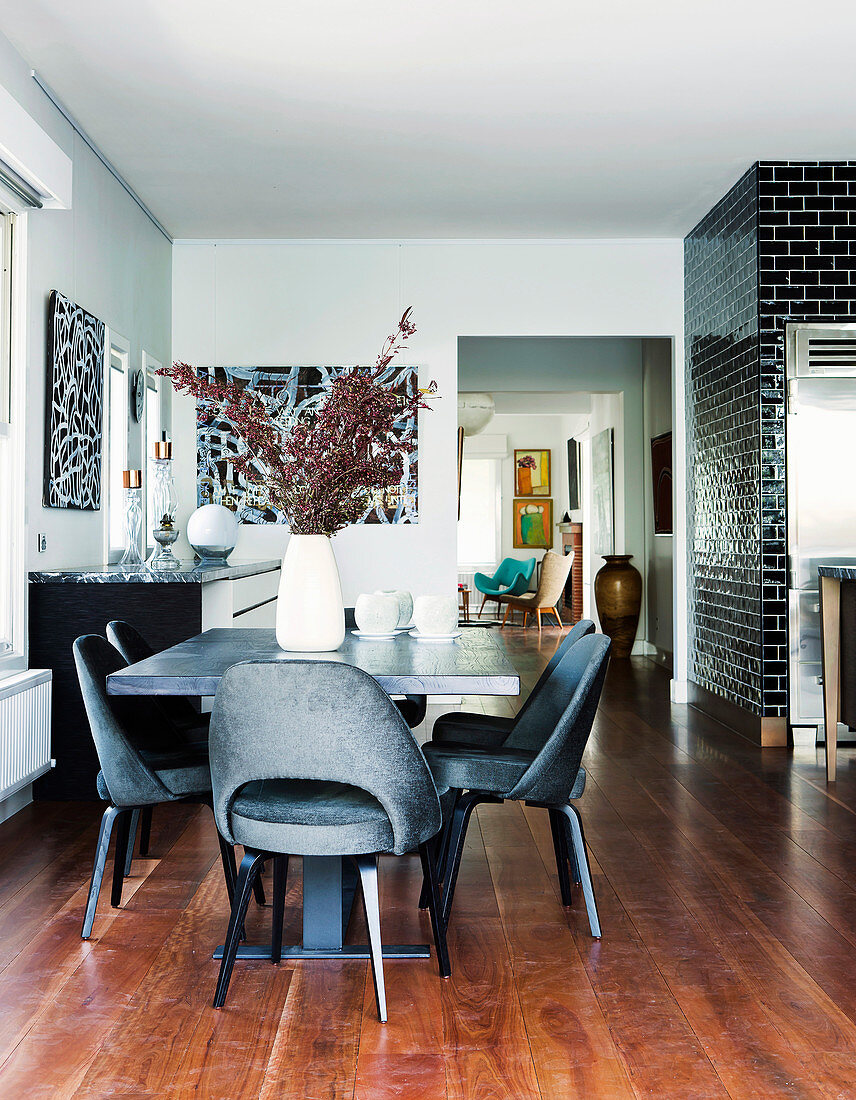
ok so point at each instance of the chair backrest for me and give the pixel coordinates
(324, 721)
(564, 711)
(120, 725)
(350, 618)
(134, 647)
(554, 574)
(514, 572)
(577, 631)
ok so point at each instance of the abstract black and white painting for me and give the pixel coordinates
(74, 406)
(290, 393)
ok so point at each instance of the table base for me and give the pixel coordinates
(357, 951)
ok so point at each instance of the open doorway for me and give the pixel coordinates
(579, 441)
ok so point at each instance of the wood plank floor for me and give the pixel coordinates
(726, 880)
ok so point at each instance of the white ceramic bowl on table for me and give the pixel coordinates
(376, 613)
(405, 603)
(435, 615)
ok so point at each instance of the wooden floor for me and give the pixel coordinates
(726, 879)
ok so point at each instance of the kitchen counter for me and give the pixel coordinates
(190, 573)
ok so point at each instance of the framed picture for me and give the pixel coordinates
(661, 475)
(74, 406)
(574, 467)
(533, 524)
(531, 473)
(603, 506)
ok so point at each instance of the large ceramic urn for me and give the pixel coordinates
(618, 596)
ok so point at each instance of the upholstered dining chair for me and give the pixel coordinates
(538, 762)
(357, 787)
(189, 724)
(551, 584)
(413, 708)
(491, 730)
(511, 578)
(141, 765)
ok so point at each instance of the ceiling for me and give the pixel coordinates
(451, 118)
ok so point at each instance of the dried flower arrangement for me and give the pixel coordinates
(322, 472)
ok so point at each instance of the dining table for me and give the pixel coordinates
(474, 663)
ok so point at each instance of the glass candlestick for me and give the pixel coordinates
(165, 502)
(132, 481)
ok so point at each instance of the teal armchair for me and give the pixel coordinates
(511, 579)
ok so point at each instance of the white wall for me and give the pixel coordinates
(657, 399)
(267, 303)
(106, 255)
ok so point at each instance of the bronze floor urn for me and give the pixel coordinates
(618, 596)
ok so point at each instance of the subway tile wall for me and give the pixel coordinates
(723, 448)
(781, 246)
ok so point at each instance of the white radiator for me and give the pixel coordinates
(25, 729)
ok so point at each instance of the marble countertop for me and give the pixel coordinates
(845, 572)
(191, 572)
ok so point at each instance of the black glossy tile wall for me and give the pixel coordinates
(724, 448)
(799, 220)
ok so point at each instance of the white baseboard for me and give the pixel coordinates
(679, 691)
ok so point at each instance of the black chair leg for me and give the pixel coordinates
(250, 865)
(108, 819)
(132, 836)
(280, 883)
(442, 850)
(119, 856)
(560, 848)
(258, 886)
(227, 858)
(460, 819)
(146, 830)
(429, 872)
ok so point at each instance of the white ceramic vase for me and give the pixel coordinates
(310, 616)
(435, 614)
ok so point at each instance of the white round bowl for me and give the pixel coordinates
(435, 614)
(212, 531)
(377, 613)
(405, 603)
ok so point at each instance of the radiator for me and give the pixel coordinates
(25, 729)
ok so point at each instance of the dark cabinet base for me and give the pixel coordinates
(165, 614)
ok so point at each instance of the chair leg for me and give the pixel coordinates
(525, 619)
(107, 820)
(579, 842)
(442, 850)
(146, 830)
(460, 819)
(429, 872)
(484, 601)
(258, 886)
(250, 865)
(560, 847)
(280, 882)
(505, 617)
(367, 866)
(119, 856)
(538, 613)
(558, 618)
(132, 836)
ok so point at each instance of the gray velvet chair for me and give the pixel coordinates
(491, 730)
(140, 764)
(413, 707)
(356, 786)
(538, 762)
(189, 724)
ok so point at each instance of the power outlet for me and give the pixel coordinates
(41, 543)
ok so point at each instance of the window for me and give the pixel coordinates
(12, 530)
(151, 436)
(479, 525)
(117, 405)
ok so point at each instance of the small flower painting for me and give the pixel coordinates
(532, 473)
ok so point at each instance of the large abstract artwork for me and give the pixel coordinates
(74, 406)
(602, 492)
(290, 394)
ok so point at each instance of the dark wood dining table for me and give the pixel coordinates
(476, 663)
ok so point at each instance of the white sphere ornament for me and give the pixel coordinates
(435, 614)
(212, 531)
(475, 412)
(377, 613)
(405, 603)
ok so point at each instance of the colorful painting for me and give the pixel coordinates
(75, 395)
(531, 473)
(290, 394)
(533, 524)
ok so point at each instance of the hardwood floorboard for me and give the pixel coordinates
(725, 883)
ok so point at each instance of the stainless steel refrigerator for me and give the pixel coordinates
(821, 493)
